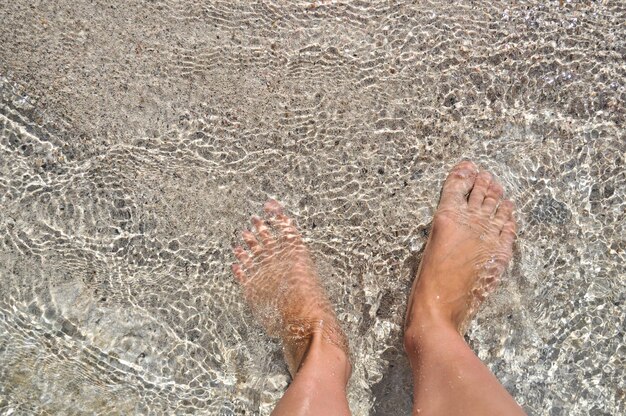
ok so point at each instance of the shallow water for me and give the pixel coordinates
(137, 139)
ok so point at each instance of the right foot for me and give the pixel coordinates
(469, 247)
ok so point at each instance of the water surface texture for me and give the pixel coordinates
(137, 137)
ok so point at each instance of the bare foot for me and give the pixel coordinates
(282, 288)
(469, 247)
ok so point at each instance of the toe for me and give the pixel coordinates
(243, 257)
(492, 197)
(240, 275)
(503, 213)
(481, 185)
(252, 242)
(458, 183)
(508, 234)
(263, 231)
(272, 207)
(286, 228)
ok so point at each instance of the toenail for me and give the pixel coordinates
(484, 176)
(462, 173)
(467, 166)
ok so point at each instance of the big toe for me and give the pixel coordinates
(458, 184)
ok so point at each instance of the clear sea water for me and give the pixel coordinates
(137, 138)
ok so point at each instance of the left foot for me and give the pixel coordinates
(283, 290)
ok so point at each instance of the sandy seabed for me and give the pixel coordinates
(137, 137)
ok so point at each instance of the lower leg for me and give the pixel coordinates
(449, 379)
(319, 386)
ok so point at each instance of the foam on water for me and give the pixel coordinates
(137, 138)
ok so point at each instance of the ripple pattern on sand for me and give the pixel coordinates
(137, 137)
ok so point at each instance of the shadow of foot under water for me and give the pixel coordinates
(394, 393)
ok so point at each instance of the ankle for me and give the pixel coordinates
(329, 361)
(427, 323)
